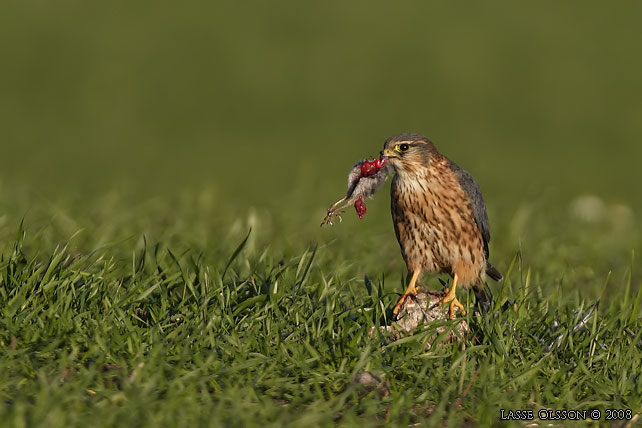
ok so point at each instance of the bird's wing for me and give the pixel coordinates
(471, 187)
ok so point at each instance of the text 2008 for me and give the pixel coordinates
(618, 414)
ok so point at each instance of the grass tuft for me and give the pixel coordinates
(170, 335)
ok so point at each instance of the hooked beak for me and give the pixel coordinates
(387, 153)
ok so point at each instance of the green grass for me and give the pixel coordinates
(161, 316)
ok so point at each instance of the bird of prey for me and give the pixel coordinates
(439, 217)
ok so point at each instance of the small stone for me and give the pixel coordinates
(371, 382)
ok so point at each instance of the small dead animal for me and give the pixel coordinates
(364, 180)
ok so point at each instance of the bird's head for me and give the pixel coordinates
(408, 153)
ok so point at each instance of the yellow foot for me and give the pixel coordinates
(454, 303)
(402, 301)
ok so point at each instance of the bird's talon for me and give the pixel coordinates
(401, 303)
(451, 298)
(399, 307)
(451, 309)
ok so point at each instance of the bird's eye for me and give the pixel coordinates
(403, 147)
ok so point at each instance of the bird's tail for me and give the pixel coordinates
(483, 294)
(483, 297)
(493, 273)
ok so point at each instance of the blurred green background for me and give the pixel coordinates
(259, 109)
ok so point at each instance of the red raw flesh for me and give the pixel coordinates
(368, 168)
(360, 207)
(372, 167)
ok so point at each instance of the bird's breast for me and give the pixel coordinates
(434, 223)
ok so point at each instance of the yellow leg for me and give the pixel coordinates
(410, 291)
(451, 297)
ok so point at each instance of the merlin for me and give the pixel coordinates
(439, 216)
